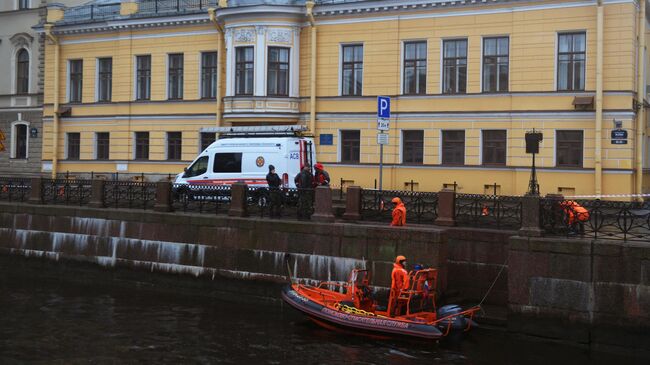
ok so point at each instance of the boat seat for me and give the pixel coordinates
(421, 289)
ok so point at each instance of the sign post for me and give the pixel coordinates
(383, 124)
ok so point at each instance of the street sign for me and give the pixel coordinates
(383, 107)
(382, 138)
(383, 124)
(619, 134)
(619, 141)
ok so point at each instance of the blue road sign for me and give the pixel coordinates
(383, 106)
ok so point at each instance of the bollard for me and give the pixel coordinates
(163, 197)
(323, 211)
(97, 194)
(238, 197)
(530, 216)
(36, 196)
(446, 208)
(353, 204)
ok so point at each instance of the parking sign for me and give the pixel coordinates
(383, 107)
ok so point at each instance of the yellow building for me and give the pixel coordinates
(129, 87)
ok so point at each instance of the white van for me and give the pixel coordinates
(243, 156)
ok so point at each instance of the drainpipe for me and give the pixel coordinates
(599, 100)
(220, 51)
(55, 124)
(312, 98)
(640, 116)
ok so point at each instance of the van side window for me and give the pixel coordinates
(227, 162)
(199, 167)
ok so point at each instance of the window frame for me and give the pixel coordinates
(142, 74)
(99, 147)
(69, 146)
(443, 148)
(484, 143)
(342, 147)
(104, 77)
(277, 66)
(209, 77)
(22, 65)
(137, 147)
(415, 66)
(404, 147)
(571, 150)
(173, 146)
(353, 64)
(443, 73)
(571, 62)
(175, 76)
(23, 4)
(496, 64)
(242, 66)
(14, 140)
(78, 81)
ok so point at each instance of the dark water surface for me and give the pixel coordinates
(62, 322)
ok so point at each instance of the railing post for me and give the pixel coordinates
(323, 211)
(353, 204)
(163, 197)
(97, 194)
(238, 197)
(530, 216)
(36, 194)
(446, 208)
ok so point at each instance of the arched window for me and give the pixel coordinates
(22, 72)
(19, 145)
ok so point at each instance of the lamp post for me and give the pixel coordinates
(533, 138)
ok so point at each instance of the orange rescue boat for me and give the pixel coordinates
(349, 306)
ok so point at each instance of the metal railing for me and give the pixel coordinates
(421, 207)
(15, 189)
(201, 198)
(66, 191)
(129, 194)
(598, 219)
(92, 12)
(166, 6)
(489, 211)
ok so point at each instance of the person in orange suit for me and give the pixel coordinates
(399, 281)
(577, 215)
(399, 213)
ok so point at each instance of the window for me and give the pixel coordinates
(350, 146)
(23, 4)
(143, 78)
(244, 65)
(278, 72)
(76, 81)
(141, 145)
(199, 167)
(22, 72)
(208, 75)
(74, 141)
(20, 141)
(494, 147)
(453, 147)
(415, 68)
(352, 70)
(569, 148)
(207, 139)
(102, 143)
(496, 64)
(412, 147)
(104, 79)
(227, 162)
(175, 77)
(571, 61)
(174, 145)
(454, 66)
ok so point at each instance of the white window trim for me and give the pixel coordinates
(480, 143)
(339, 152)
(14, 69)
(97, 79)
(464, 147)
(557, 52)
(482, 61)
(14, 141)
(363, 66)
(401, 143)
(200, 63)
(442, 63)
(401, 69)
(555, 147)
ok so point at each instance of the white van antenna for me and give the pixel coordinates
(266, 130)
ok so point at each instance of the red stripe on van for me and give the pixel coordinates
(227, 181)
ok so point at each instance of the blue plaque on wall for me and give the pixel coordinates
(326, 139)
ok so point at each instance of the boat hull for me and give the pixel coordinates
(355, 322)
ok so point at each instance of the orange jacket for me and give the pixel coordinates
(399, 215)
(575, 212)
(399, 279)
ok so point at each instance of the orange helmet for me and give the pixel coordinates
(318, 166)
(399, 259)
(396, 200)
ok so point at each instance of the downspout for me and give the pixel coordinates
(640, 116)
(55, 121)
(312, 76)
(213, 18)
(599, 100)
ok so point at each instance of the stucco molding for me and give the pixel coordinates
(19, 40)
(244, 35)
(280, 36)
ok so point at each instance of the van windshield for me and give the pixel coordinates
(227, 162)
(199, 167)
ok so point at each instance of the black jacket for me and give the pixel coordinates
(273, 180)
(304, 180)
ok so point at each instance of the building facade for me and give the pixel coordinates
(132, 87)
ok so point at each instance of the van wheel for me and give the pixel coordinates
(261, 197)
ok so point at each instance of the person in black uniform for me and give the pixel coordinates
(275, 195)
(305, 184)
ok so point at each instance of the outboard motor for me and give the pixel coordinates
(458, 323)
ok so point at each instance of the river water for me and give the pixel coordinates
(54, 321)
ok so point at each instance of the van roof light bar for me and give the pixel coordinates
(266, 130)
